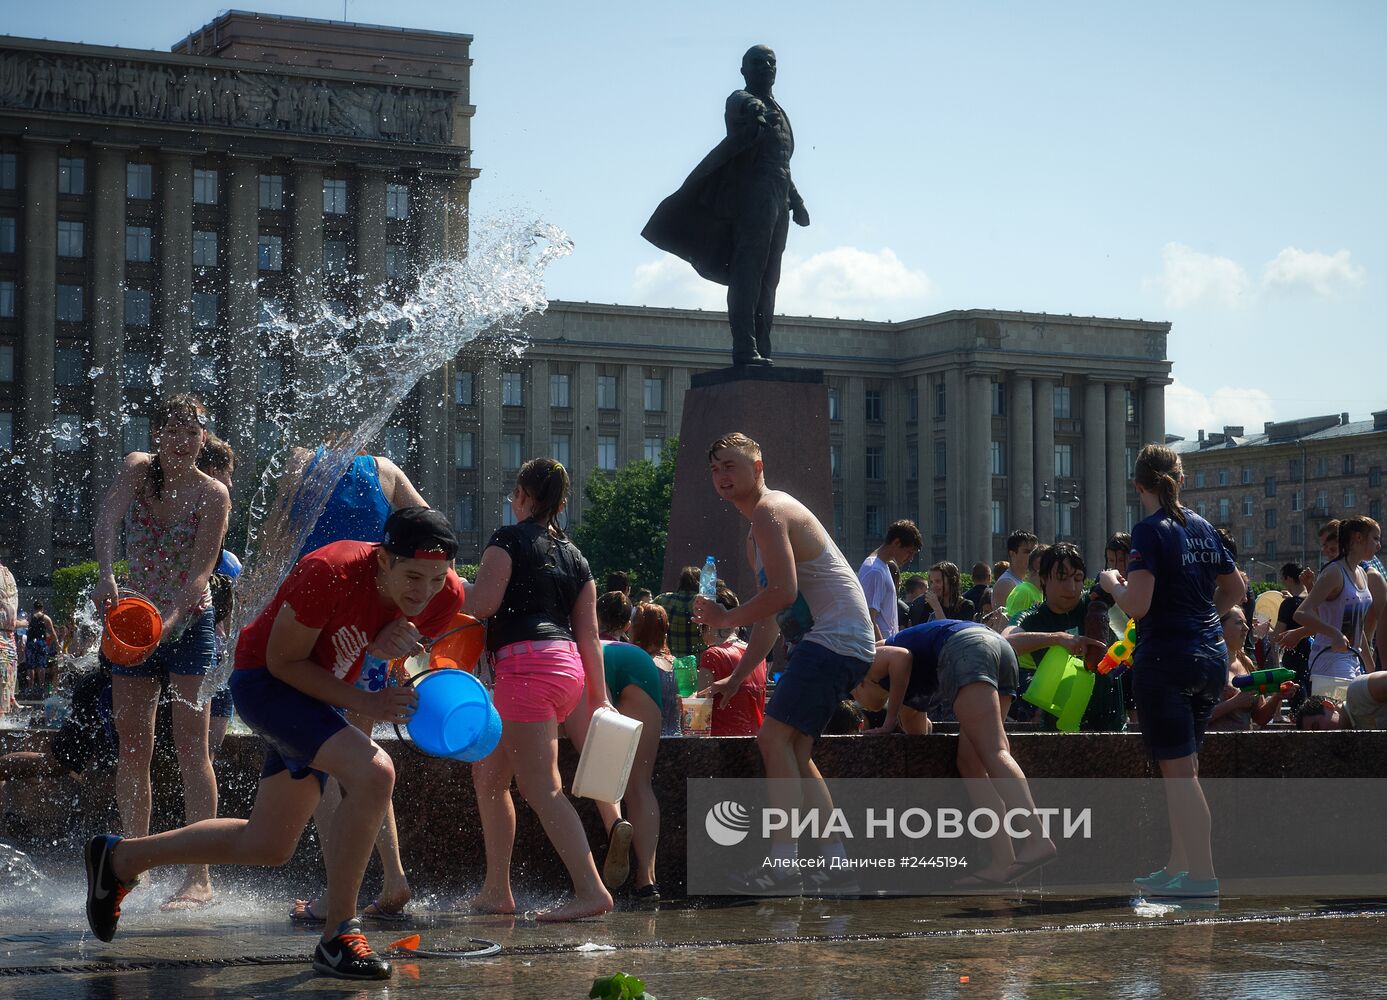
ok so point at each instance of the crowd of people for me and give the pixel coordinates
(817, 648)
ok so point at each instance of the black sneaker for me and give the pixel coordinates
(766, 881)
(348, 956)
(104, 893)
(647, 895)
(822, 883)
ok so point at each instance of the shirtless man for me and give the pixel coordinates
(810, 593)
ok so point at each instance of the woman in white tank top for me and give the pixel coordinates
(1338, 604)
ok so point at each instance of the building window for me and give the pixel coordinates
(395, 441)
(204, 187)
(1269, 517)
(1064, 461)
(1202, 509)
(334, 196)
(652, 449)
(1350, 498)
(1131, 400)
(1247, 474)
(139, 181)
(939, 398)
(270, 311)
(606, 452)
(875, 463)
(875, 523)
(1297, 533)
(139, 244)
(1321, 467)
(270, 250)
(204, 310)
(1348, 465)
(941, 518)
(8, 172)
(6, 299)
(70, 238)
(7, 234)
(138, 367)
(561, 449)
(1270, 488)
(67, 432)
(1247, 506)
(1296, 470)
(397, 201)
(1375, 509)
(999, 526)
(872, 399)
(1199, 479)
(1271, 548)
(834, 404)
(558, 390)
(512, 390)
(6, 431)
(1247, 541)
(67, 366)
(1223, 477)
(914, 465)
(1322, 501)
(271, 375)
(204, 248)
(912, 403)
(1374, 476)
(1064, 402)
(334, 256)
(465, 450)
(465, 513)
(654, 395)
(463, 385)
(1224, 510)
(941, 460)
(1131, 461)
(999, 459)
(999, 400)
(395, 259)
(838, 520)
(272, 191)
(69, 303)
(507, 513)
(835, 461)
(137, 307)
(6, 362)
(606, 392)
(136, 434)
(512, 451)
(1064, 521)
(72, 175)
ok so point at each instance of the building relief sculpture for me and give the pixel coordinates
(231, 98)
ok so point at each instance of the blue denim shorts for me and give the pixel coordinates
(1174, 698)
(293, 725)
(192, 654)
(816, 680)
(975, 655)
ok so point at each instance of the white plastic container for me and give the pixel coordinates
(1323, 685)
(608, 752)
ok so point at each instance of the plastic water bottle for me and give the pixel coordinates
(708, 579)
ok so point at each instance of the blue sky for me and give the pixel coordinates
(1216, 165)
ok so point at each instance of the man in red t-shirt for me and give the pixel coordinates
(296, 664)
(743, 713)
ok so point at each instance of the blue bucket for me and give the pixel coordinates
(454, 713)
(486, 740)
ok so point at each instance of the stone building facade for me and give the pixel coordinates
(152, 205)
(1275, 489)
(961, 421)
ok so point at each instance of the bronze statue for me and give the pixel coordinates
(730, 218)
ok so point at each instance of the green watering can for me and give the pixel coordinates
(1061, 687)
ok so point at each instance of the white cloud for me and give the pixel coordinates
(1324, 274)
(845, 281)
(1187, 409)
(1190, 278)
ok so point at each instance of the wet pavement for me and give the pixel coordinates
(1021, 946)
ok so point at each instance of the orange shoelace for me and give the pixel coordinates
(356, 944)
(121, 892)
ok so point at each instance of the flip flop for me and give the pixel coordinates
(302, 913)
(380, 914)
(182, 901)
(1020, 869)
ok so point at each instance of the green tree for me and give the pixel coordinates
(626, 519)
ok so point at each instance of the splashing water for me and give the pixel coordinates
(348, 375)
(19, 876)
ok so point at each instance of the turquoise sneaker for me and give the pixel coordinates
(1155, 880)
(1184, 887)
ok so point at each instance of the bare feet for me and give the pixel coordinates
(492, 902)
(194, 894)
(577, 909)
(393, 898)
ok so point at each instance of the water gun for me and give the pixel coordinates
(1119, 655)
(1264, 681)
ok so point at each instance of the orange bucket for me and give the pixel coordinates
(462, 649)
(133, 628)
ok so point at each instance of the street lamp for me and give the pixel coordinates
(1064, 495)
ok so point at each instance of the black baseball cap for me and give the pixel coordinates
(419, 533)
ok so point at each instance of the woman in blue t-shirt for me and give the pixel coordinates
(1180, 580)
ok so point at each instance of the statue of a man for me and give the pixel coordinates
(730, 218)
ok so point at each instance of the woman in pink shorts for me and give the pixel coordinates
(536, 589)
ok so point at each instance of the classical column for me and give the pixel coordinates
(1044, 454)
(435, 425)
(306, 240)
(1153, 410)
(176, 272)
(1094, 476)
(1117, 458)
(631, 447)
(978, 530)
(370, 233)
(493, 487)
(584, 433)
(853, 408)
(924, 443)
(537, 410)
(955, 450)
(243, 335)
(678, 387)
(39, 328)
(1020, 455)
(108, 316)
